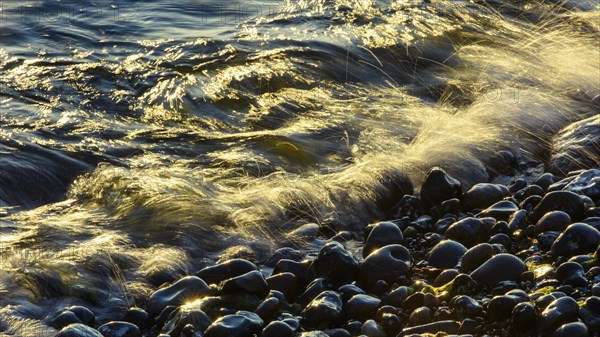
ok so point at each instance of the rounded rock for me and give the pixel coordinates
(78, 330)
(577, 239)
(362, 307)
(226, 270)
(177, 294)
(120, 329)
(446, 254)
(335, 264)
(501, 267)
(476, 256)
(553, 221)
(382, 234)
(590, 313)
(575, 329)
(250, 283)
(323, 310)
(468, 231)
(560, 311)
(439, 186)
(483, 195)
(389, 263)
(232, 326)
(565, 201)
(278, 329)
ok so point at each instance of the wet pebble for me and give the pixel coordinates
(382, 234)
(335, 264)
(388, 263)
(560, 311)
(446, 254)
(177, 294)
(250, 283)
(236, 325)
(565, 201)
(553, 221)
(78, 330)
(502, 210)
(278, 329)
(226, 270)
(137, 316)
(120, 329)
(590, 313)
(575, 329)
(439, 186)
(571, 273)
(468, 231)
(466, 307)
(371, 329)
(323, 311)
(483, 195)
(577, 239)
(501, 267)
(524, 317)
(362, 307)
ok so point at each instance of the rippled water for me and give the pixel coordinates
(137, 138)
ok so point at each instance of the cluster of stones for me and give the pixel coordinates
(517, 260)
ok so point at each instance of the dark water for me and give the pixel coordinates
(139, 137)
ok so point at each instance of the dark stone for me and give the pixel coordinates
(439, 186)
(501, 307)
(278, 329)
(120, 329)
(316, 287)
(501, 239)
(397, 296)
(136, 316)
(347, 291)
(546, 239)
(530, 203)
(284, 253)
(63, 319)
(226, 270)
(323, 311)
(337, 333)
(186, 289)
(287, 283)
(362, 307)
(484, 195)
(335, 264)
(501, 211)
(184, 317)
(449, 327)
(78, 330)
(590, 313)
(268, 308)
(442, 225)
(577, 239)
(553, 221)
(528, 192)
(565, 201)
(562, 310)
(517, 185)
(501, 267)
(463, 284)
(545, 180)
(389, 263)
(524, 317)
(466, 307)
(420, 315)
(232, 326)
(571, 273)
(300, 269)
(250, 283)
(445, 277)
(575, 329)
(468, 231)
(372, 329)
(382, 234)
(446, 254)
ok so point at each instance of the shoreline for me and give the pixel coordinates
(497, 260)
